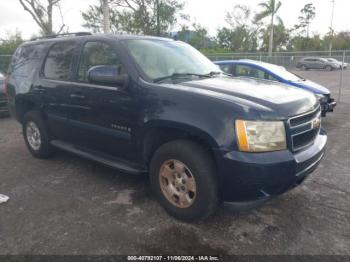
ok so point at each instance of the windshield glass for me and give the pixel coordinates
(283, 73)
(161, 58)
(331, 60)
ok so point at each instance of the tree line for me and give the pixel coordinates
(245, 30)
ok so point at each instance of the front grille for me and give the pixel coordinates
(304, 139)
(302, 119)
(304, 129)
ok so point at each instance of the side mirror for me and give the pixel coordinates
(107, 75)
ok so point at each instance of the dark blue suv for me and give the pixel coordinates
(146, 105)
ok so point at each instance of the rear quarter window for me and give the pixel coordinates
(59, 60)
(26, 60)
(24, 65)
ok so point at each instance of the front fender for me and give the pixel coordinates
(182, 127)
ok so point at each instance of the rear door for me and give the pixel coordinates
(23, 71)
(312, 63)
(249, 71)
(54, 86)
(103, 116)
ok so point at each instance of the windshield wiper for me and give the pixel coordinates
(215, 73)
(179, 75)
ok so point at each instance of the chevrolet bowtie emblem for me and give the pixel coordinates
(316, 123)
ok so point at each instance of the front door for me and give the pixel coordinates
(104, 117)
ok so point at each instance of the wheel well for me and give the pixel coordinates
(157, 137)
(23, 107)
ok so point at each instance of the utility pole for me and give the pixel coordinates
(158, 18)
(331, 28)
(106, 21)
(271, 35)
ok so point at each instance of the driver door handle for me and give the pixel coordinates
(77, 95)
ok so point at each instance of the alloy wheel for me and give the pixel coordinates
(33, 135)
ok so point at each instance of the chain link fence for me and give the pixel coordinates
(336, 81)
(4, 63)
(286, 59)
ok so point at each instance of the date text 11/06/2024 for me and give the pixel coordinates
(173, 258)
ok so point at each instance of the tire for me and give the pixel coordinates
(197, 169)
(304, 68)
(328, 68)
(33, 123)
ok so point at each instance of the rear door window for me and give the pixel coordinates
(59, 60)
(249, 71)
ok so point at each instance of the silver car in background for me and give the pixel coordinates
(341, 64)
(307, 63)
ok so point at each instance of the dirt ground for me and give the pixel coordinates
(68, 205)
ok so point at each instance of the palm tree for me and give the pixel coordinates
(106, 19)
(270, 8)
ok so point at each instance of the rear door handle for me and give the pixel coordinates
(40, 89)
(77, 95)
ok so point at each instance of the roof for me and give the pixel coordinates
(64, 37)
(268, 66)
(312, 57)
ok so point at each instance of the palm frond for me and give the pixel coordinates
(279, 20)
(258, 17)
(277, 7)
(264, 5)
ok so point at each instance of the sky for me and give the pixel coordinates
(210, 14)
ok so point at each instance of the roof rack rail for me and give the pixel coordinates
(61, 35)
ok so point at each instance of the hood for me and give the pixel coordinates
(269, 99)
(313, 87)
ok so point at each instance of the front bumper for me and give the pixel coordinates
(251, 177)
(328, 106)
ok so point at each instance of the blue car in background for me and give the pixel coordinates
(262, 70)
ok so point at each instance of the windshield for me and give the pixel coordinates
(283, 73)
(161, 58)
(331, 60)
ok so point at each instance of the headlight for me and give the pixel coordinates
(322, 98)
(260, 136)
